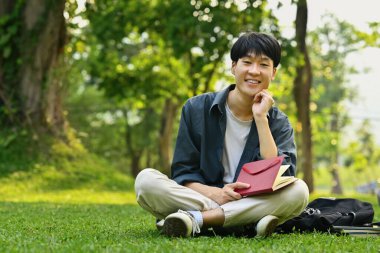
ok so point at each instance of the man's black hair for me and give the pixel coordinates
(258, 44)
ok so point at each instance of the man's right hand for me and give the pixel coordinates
(227, 193)
(219, 195)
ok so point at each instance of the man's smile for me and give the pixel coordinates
(252, 81)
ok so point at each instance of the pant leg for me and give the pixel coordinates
(161, 196)
(285, 204)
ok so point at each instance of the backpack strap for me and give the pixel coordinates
(353, 214)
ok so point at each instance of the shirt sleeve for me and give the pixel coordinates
(186, 159)
(283, 135)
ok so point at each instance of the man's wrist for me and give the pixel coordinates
(212, 193)
(261, 119)
(206, 190)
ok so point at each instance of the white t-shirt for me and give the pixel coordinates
(234, 142)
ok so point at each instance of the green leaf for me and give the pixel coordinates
(7, 52)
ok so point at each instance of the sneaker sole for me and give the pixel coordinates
(269, 224)
(175, 227)
(160, 224)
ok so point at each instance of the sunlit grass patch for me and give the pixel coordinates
(75, 196)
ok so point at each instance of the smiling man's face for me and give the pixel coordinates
(253, 73)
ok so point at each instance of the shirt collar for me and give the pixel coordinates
(221, 98)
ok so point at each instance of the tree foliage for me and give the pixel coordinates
(148, 57)
(362, 157)
(332, 42)
(159, 53)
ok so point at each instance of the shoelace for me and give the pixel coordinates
(195, 225)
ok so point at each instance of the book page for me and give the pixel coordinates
(282, 180)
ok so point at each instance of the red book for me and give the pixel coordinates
(264, 176)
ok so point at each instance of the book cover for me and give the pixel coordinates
(264, 176)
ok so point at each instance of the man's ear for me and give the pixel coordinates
(274, 73)
(233, 66)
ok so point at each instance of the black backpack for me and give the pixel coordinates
(323, 213)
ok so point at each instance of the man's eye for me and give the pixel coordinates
(264, 64)
(247, 62)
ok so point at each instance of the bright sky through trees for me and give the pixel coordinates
(358, 13)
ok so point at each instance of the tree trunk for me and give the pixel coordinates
(148, 162)
(336, 183)
(337, 186)
(133, 153)
(166, 135)
(302, 86)
(135, 164)
(28, 82)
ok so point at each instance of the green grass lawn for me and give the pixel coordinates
(65, 199)
(81, 221)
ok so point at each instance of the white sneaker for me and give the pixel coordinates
(266, 226)
(180, 224)
(160, 224)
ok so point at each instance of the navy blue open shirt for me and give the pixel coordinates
(200, 140)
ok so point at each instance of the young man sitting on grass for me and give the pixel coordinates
(218, 133)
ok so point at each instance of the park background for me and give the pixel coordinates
(91, 93)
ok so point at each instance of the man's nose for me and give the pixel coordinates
(254, 68)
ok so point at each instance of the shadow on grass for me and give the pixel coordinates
(49, 164)
(17, 152)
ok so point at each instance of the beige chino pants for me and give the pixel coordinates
(162, 196)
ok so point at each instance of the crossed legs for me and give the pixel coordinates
(162, 196)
